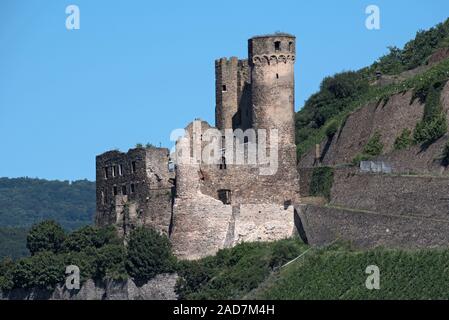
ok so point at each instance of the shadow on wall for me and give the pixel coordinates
(300, 227)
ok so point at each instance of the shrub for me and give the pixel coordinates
(234, 272)
(331, 128)
(321, 182)
(359, 158)
(110, 262)
(283, 252)
(429, 131)
(404, 140)
(149, 253)
(434, 123)
(45, 236)
(374, 145)
(43, 270)
(84, 260)
(90, 237)
(193, 275)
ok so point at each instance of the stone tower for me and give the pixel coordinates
(271, 60)
(232, 93)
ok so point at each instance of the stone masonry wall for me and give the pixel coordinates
(414, 196)
(324, 225)
(134, 189)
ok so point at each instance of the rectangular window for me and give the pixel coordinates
(120, 170)
(133, 167)
(277, 45)
(133, 188)
(115, 190)
(105, 172)
(124, 190)
(114, 171)
(290, 46)
(223, 88)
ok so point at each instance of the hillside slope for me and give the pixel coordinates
(393, 73)
(338, 273)
(260, 271)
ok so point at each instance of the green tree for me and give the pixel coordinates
(90, 237)
(149, 253)
(43, 270)
(110, 262)
(6, 278)
(45, 236)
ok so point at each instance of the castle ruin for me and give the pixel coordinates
(205, 206)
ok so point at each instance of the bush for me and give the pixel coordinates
(321, 182)
(110, 263)
(374, 145)
(85, 260)
(43, 270)
(434, 124)
(331, 129)
(90, 237)
(404, 140)
(429, 131)
(149, 253)
(193, 275)
(359, 158)
(283, 252)
(45, 236)
(233, 273)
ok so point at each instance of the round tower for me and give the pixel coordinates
(272, 59)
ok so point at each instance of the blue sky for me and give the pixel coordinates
(136, 70)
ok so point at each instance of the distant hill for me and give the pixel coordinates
(13, 243)
(25, 201)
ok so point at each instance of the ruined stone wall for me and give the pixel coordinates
(243, 118)
(232, 94)
(248, 186)
(134, 189)
(259, 207)
(226, 88)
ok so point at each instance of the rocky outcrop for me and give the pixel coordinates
(162, 287)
